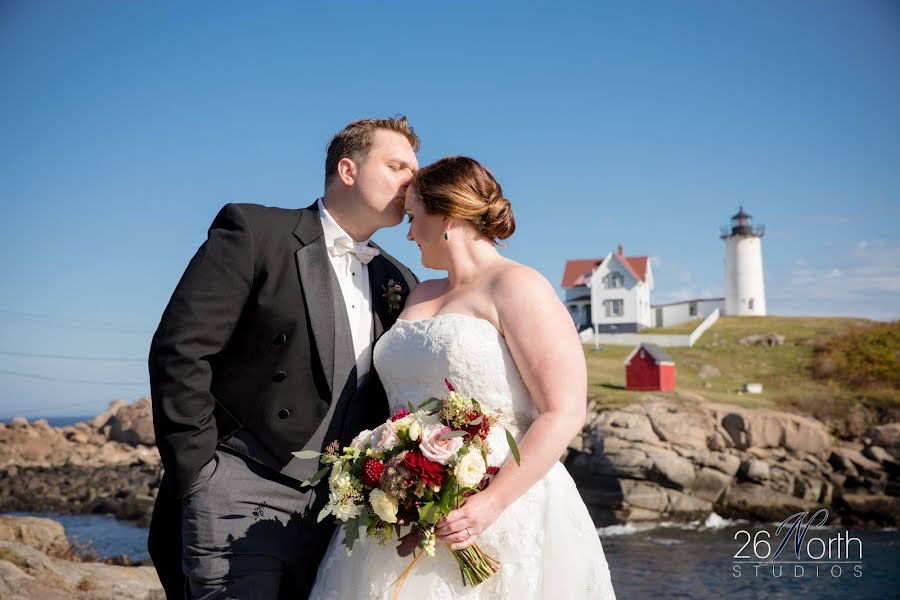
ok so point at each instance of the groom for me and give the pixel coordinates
(265, 348)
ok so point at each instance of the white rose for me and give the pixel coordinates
(435, 447)
(346, 510)
(362, 439)
(470, 469)
(386, 436)
(384, 505)
(415, 430)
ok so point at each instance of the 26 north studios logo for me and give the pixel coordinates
(833, 556)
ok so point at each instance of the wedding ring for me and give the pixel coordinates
(468, 533)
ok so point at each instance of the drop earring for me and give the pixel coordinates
(446, 236)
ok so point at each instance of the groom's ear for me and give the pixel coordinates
(346, 170)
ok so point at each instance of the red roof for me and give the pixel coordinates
(576, 269)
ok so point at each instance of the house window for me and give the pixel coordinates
(692, 309)
(614, 280)
(750, 304)
(614, 308)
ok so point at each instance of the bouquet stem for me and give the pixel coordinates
(474, 565)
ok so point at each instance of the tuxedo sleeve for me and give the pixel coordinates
(195, 327)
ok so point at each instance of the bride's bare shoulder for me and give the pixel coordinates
(513, 277)
(427, 290)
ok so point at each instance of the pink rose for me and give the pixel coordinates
(435, 448)
(385, 437)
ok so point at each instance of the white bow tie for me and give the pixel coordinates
(344, 245)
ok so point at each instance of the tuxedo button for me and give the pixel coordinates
(284, 413)
(279, 376)
(280, 339)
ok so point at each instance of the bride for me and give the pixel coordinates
(497, 330)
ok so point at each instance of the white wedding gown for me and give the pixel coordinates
(546, 543)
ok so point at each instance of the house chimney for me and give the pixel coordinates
(621, 250)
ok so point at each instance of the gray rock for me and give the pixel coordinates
(45, 535)
(628, 463)
(628, 425)
(759, 502)
(671, 470)
(721, 461)
(688, 508)
(132, 424)
(808, 489)
(710, 484)
(642, 494)
(865, 466)
(679, 425)
(101, 419)
(707, 371)
(886, 436)
(754, 470)
(873, 508)
(762, 339)
(878, 454)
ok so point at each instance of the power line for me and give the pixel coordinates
(63, 380)
(67, 357)
(74, 323)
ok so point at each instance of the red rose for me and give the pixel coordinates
(481, 429)
(399, 414)
(429, 472)
(372, 472)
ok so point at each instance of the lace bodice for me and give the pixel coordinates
(415, 357)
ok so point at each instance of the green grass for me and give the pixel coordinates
(682, 328)
(785, 371)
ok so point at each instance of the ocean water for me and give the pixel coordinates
(713, 559)
(672, 561)
(58, 421)
(103, 534)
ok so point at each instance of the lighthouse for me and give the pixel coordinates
(745, 292)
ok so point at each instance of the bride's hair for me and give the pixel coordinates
(461, 188)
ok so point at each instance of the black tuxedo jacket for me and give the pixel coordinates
(251, 341)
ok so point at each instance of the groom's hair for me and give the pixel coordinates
(355, 140)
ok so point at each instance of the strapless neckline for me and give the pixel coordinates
(453, 315)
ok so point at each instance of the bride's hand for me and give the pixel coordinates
(461, 527)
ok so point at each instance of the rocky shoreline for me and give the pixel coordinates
(662, 458)
(680, 460)
(107, 466)
(36, 561)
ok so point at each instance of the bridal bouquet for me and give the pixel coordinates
(411, 471)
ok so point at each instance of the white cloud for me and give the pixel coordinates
(865, 283)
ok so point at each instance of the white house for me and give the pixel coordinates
(673, 313)
(611, 293)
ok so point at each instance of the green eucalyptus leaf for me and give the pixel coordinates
(319, 475)
(432, 404)
(326, 510)
(306, 454)
(513, 447)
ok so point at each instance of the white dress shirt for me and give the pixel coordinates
(353, 277)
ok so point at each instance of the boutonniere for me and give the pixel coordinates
(393, 293)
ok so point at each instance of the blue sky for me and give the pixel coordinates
(124, 126)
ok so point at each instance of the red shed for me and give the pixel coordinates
(648, 367)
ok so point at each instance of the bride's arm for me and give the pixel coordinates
(544, 344)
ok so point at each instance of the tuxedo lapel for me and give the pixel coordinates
(376, 281)
(317, 282)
